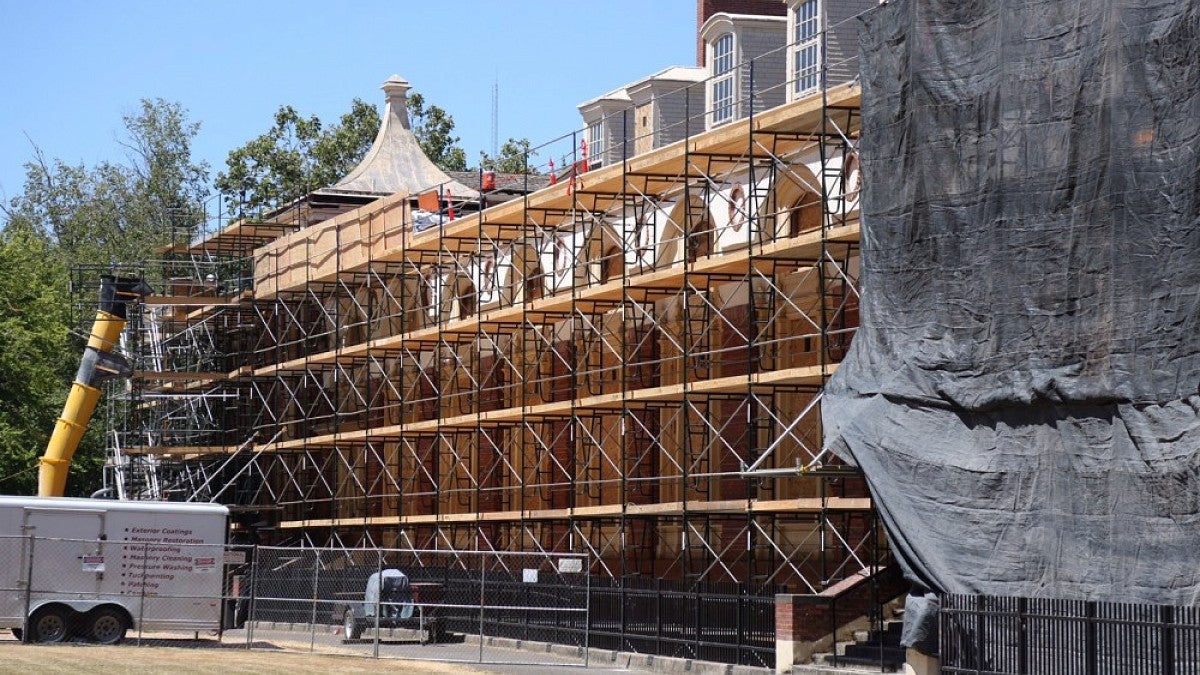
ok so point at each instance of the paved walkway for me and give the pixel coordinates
(495, 655)
(501, 656)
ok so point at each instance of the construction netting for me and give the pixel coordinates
(1023, 392)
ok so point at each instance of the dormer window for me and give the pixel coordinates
(723, 79)
(595, 144)
(807, 45)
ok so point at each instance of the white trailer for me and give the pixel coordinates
(96, 568)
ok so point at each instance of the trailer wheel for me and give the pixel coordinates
(106, 626)
(351, 628)
(49, 624)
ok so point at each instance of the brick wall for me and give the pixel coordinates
(803, 620)
(706, 8)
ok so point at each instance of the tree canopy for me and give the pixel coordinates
(115, 212)
(434, 129)
(35, 355)
(300, 154)
(515, 157)
(83, 218)
(294, 157)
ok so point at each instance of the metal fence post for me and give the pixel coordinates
(26, 636)
(142, 596)
(482, 595)
(741, 624)
(312, 621)
(378, 597)
(1167, 614)
(1089, 612)
(587, 614)
(252, 610)
(622, 599)
(979, 633)
(833, 629)
(658, 615)
(1022, 636)
(525, 611)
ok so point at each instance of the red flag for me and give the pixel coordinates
(553, 176)
(584, 148)
(449, 205)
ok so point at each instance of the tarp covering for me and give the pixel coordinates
(1023, 392)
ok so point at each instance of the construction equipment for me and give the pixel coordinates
(98, 363)
(391, 601)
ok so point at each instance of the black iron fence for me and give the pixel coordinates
(383, 602)
(726, 623)
(999, 636)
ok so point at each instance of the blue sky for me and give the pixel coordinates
(70, 70)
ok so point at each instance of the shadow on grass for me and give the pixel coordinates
(446, 639)
(192, 643)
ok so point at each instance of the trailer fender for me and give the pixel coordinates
(82, 607)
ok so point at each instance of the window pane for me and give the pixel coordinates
(807, 55)
(595, 145)
(723, 99)
(723, 74)
(723, 54)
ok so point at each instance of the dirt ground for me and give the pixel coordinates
(209, 658)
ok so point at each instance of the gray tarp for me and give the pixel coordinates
(1022, 394)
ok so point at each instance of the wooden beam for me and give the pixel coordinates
(167, 376)
(183, 451)
(783, 507)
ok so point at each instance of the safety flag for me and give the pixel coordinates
(449, 205)
(553, 176)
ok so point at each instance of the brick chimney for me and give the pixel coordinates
(706, 8)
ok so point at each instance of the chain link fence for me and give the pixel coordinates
(444, 605)
(465, 606)
(55, 590)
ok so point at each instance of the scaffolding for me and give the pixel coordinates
(627, 363)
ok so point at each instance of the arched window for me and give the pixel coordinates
(723, 79)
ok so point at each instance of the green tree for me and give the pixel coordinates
(512, 158)
(165, 179)
(119, 211)
(75, 217)
(434, 129)
(296, 156)
(35, 359)
(341, 147)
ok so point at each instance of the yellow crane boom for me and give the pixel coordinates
(98, 363)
